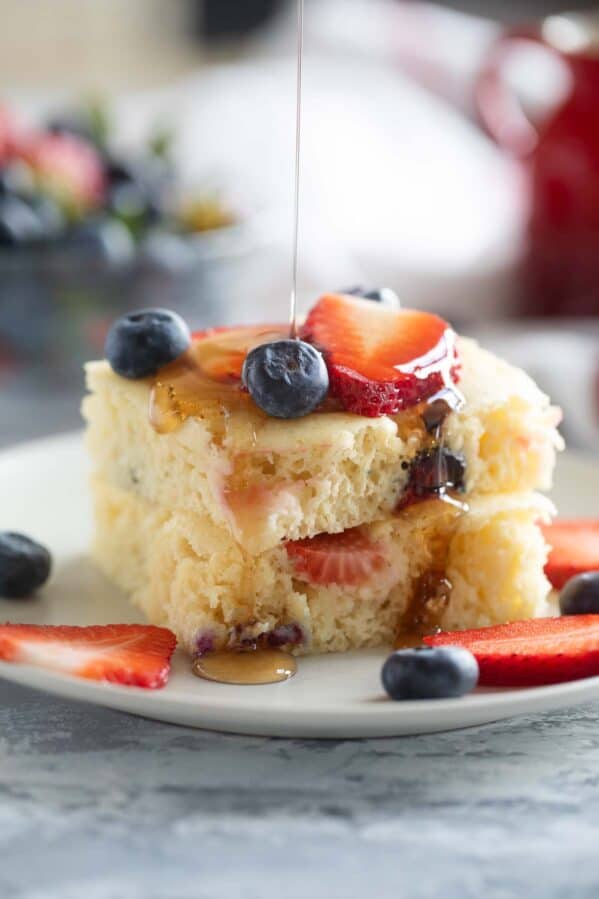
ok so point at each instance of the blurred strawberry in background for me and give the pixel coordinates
(8, 135)
(67, 168)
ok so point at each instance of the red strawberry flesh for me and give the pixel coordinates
(67, 167)
(10, 136)
(533, 652)
(574, 549)
(381, 360)
(130, 654)
(349, 558)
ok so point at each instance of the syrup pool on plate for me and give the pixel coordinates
(245, 667)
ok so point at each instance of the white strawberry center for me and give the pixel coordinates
(56, 655)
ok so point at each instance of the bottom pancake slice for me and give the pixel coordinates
(383, 584)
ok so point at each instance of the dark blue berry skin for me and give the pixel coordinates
(19, 223)
(119, 171)
(70, 126)
(50, 215)
(136, 190)
(6, 183)
(435, 470)
(24, 565)
(580, 596)
(101, 239)
(435, 672)
(140, 343)
(383, 295)
(17, 181)
(131, 204)
(286, 378)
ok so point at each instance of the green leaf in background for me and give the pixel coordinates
(160, 141)
(98, 118)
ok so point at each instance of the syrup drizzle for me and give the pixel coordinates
(431, 591)
(245, 667)
(298, 133)
(205, 379)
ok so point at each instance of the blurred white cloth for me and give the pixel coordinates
(397, 188)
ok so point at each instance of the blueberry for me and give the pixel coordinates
(24, 565)
(6, 182)
(103, 240)
(435, 672)
(140, 343)
(204, 643)
(286, 378)
(437, 469)
(120, 171)
(49, 213)
(131, 203)
(17, 179)
(285, 635)
(439, 406)
(383, 295)
(19, 223)
(18, 190)
(70, 125)
(136, 190)
(580, 596)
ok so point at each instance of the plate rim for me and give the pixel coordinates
(377, 718)
(344, 718)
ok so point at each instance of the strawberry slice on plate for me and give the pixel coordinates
(531, 653)
(136, 655)
(349, 558)
(381, 360)
(574, 549)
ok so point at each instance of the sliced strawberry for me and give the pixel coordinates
(574, 548)
(223, 350)
(10, 135)
(133, 654)
(349, 558)
(529, 653)
(67, 167)
(381, 360)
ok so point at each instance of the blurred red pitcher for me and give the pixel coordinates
(557, 137)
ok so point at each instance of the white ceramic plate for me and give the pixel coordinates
(43, 492)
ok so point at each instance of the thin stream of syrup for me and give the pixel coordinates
(431, 590)
(298, 134)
